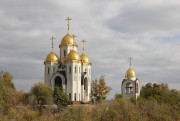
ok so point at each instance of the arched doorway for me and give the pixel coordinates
(58, 82)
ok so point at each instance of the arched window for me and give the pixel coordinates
(48, 70)
(75, 69)
(129, 88)
(53, 69)
(64, 52)
(137, 88)
(70, 69)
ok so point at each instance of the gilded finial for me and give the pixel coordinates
(83, 41)
(68, 19)
(74, 42)
(130, 61)
(52, 38)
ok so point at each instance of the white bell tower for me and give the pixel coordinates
(130, 85)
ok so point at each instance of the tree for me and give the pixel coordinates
(161, 93)
(8, 96)
(118, 96)
(99, 90)
(40, 95)
(60, 97)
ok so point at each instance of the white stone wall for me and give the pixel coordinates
(50, 69)
(74, 80)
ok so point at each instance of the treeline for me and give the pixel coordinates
(156, 103)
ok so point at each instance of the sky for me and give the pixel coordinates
(146, 30)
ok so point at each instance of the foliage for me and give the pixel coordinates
(99, 90)
(161, 93)
(60, 97)
(8, 96)
(118, 96)
(41, 94)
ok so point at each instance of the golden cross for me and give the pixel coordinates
(130, 61)
(74, 42)
(68, 19)
(83, 41)
(52, 38)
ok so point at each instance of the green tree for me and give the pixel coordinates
(99, 89)
(60, 97)
(40, 95)
(161, 93)
(118, 96)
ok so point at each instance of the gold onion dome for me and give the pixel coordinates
(130, 73)
(73, 56)
(84, 58)
(67, 40)
(52, 57)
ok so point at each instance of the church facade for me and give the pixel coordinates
(130, 86)
(68, 69)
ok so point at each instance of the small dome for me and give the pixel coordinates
(67, 40)
(84, 59)
(72, 57)
(130, 73)
(52, 57)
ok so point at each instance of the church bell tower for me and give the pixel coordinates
(130, 85)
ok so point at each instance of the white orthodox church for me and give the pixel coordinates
(68, 69)
(130, 85)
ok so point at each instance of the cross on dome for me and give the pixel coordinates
(68, 19)
(130, 61)
(74, 42)
(83, 41)
(52, 38)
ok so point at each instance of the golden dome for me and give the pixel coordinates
(67, 40)
(72, 57)
(84, 58)
(52, 57)
(130, 73)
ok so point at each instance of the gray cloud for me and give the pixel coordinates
(147, 31)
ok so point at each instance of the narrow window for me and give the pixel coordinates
(64, 52)
(70, 69)
(79, 70)
(48, 70)
(54, 70)
(74, 96)
(75, 69)
(69, 96)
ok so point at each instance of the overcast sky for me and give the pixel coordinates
(146, 30)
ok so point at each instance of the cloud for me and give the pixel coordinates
(148, 31)
(146, 17)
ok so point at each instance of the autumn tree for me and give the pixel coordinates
(8, 96)
(40, 95)
(99, 89)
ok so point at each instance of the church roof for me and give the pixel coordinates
(84, 58)
(73, 56)
(52, 57)
(130, 73)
